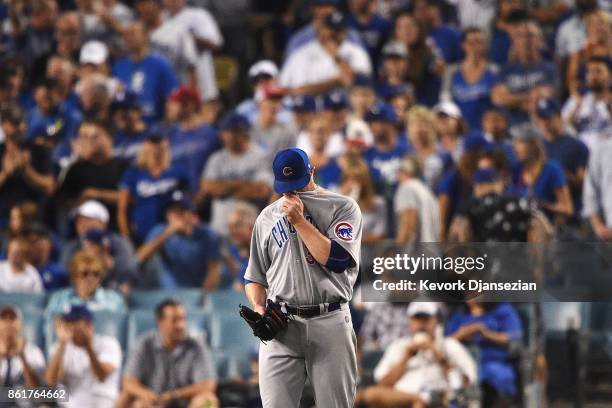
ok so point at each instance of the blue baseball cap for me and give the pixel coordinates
(487, 175)
(391, 91)
(180, 199)
(381, 112)
(335, 21)
(234, 121)
(291, 169)
(547, 108)
(335, 101)
(476, 142)
(304, 104)
(78, 312)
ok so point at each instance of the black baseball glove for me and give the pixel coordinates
(268, 326)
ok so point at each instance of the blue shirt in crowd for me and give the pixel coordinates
(53, 276)
(384, 165)
(550, 179)
(151, 78)
(374, 33)
(190, 150)
(185, 257)
(63, 124)
(473, 99)
(448, 40)
(149, 196)
(500, 47)
(128, 146)
(329, 176)
(496, 369)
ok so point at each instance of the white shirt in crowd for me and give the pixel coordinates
(475, 13)
(333, 148)
(201, 24)
(176, 44)
(592, 120)
(27, 281)
(423, 373)
(85, 390)
(312, 64)
(35, 358)
(413, 194)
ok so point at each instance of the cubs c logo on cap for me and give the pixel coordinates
(344, 231)
(287, 171)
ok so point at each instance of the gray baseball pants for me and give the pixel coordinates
(321, 348)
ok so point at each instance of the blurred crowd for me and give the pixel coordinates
(136, 140)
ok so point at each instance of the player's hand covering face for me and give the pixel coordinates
(293, 208)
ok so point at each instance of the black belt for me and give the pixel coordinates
(307, 312)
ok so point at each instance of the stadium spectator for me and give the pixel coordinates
(373, 28)
(63, 72)
(361, 96)
(91, 220)
(492, 328)
(332, 59)
(41, 248)
(21, 216)
(385, 155)
(469, 83)
(16, 274)
(104, 20)
(192, 141)
(260, 74)
(589, 113)
(130, 129)
(524, 72)
(446, 38)
(320, 10)
(451, 129)
(239, 171)
(598, 44)
(415, 368)
(401, 98)
(565, 149)
(357, 184)
(235, 253)
(68, 35)
(93, 59)
(147, 74)
(455, 188)
(496, 130)
(87, 270)
(493, 215)
(335, 110)
(26, 170)
(200, 25)
(475, 13)
(321, 143)
(597, 198)
(95, 173)
(145, 188)
(423, 138)
(394, 66)
(384, 323)
(266, 130)
(425, 63)
(21, 362)
(539, 178)
(509, 14)
(415, 207)
(189, 249)
(86, 363)
(168, 367)
(95, 98)
(571, 34)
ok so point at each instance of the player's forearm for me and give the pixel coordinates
(318, 244)
(256, 293)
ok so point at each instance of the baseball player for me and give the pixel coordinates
(304, 260)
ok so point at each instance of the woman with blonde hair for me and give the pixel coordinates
(146, 188)
(87, 271)
(357, 184)
(424, 140)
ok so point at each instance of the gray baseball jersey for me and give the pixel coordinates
(280, 260)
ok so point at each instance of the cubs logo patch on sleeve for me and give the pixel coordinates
(344, 231)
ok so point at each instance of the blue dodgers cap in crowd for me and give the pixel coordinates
(391, 91)
(335, 21)
(291, 169)
(78, 312)
(304, 104)
(234, 121)
(180, 199)
(50, 131)
(381, 112)
(335, 101)
(476, 142)
(547, 107)
(487, 175)
(125, 100)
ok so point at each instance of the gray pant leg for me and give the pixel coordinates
(282, 370)
(330, 359)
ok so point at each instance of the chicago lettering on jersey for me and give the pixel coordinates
(283, 227)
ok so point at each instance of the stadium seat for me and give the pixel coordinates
(141, 321)
(24, 301)
(229, 332)
(148, 299)
(224, 301)
(106, 323)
